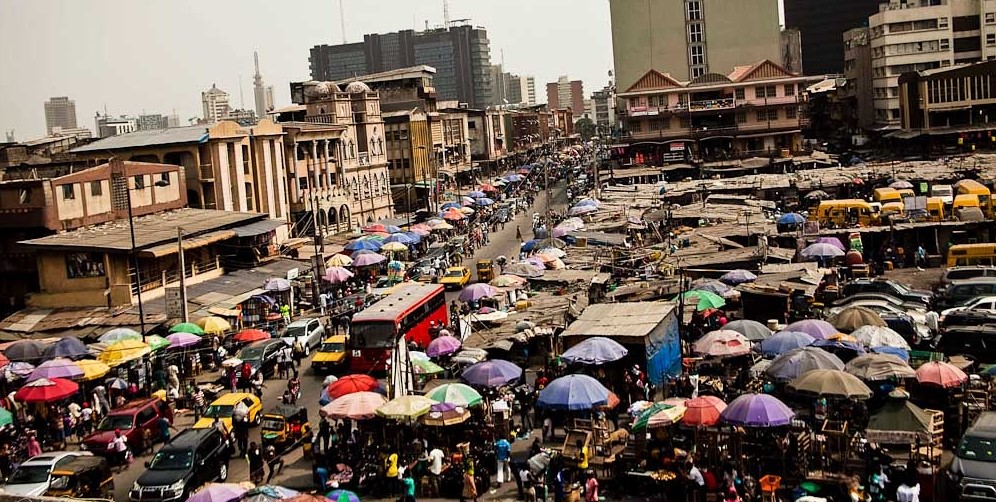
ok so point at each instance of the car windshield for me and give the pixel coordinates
(454, 273)
(903, 290)
(271, 424)
(29, 474)
(333, 347)
(115, 422)
(250, 353)
(219, 410)
(171, 460)
(977, 448)
(296, 331)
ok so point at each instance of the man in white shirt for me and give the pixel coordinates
(435, 469)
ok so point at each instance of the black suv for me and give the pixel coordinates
(888, 287)
(261, 356)
(193, 457)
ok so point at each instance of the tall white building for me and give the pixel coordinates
(107, 126)
(522, 89)
(915, 35)
(215, 103)
(262, 92)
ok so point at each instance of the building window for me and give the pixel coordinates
(773, 114)
(738, 93)
(741, 117)
(696, 55)
(698, 71)
(659, 124)
(790, 89)
(684, 122)
(635, 126)
(942, 22)
(24, 196)
(83, 265)
(790, 112)
(164, 178)
(762, 116)
(990, 17)
(68, 192)
(139, 182)
(96, 190)
(759, 92)
(693, 10)
(944, 43)
(990, 39)
(695, 33)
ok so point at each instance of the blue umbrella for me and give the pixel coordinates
(595, 350)
(710, 285)
(69, 347)
(399, 238)
(363, 244)
(531, 245)
(449, 205)
(896, 351)
(587, 202)
(484, 201)
(791, 219)
(573, 392)
(476, 194)
(512, 178)
(494, 373)
(391, 229)
(784, 341)
(416, 238)
(841, 348)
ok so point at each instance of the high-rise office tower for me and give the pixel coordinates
(60, 112)
(566, 93)
(822, 25)
(215, 102)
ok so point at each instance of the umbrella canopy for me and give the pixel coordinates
(367, 244)
(531, 245)
(376, 227)
(703, 411)
(186, 327)
(70, 347)
(475, 292)
(268, 493)
(852, 318)
(350, 384)
(25, 350)
(442, 226)
(476, 193)
(821, 250)
(443, 414)
(722, 343)
(738, 276)
(659, 415)
(452, 214)
(218, 492)
(844, 349)
(573, 392)
(425, 367)
(791, 219)
(710, 285)
(524, 269)
(400, 238)
(336, 275)
(116, 383)
(899, 422)
(833, 241)
(705, 299)
(595, 350)
(757, 410)
(407, 407)
(118, 334)
(394, 247)
(796, 362)
(494, 373)
(4, 361)
(817, 195)
(277, 284)
(834, 383)
(6, 417)
(339, 260)
(449, 205)
(46, 390)
(214, 325)
(895, 351)
(123, 351)
(508, 281)
(156, 342)
(92, 369)
(940, 374)
(59, 367)
(784, 341)
(366, 260)
(752, 330)
(880, 336)
(900, 185)
(457, 394)
(816, 328)
(179, 340)
(342, 496)
(443, 345)
(484, 201)
(17, 369)
(877, 367)
(355, 406)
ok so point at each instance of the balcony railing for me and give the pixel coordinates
(780, 100)
(712, 104)
(703, 132)
(642, 111)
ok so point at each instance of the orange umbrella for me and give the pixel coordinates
(352, 383)
(251, 335)
(703, 410)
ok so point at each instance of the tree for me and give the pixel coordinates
(585, 127)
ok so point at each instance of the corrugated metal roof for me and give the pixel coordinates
(257, 228)
(620, 320)
(174, 135)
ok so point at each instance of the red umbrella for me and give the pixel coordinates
(46, 390)
(352, 383)
(703, 410)
(3, 360)
(376, 227)
(941, 374)
(251, 335)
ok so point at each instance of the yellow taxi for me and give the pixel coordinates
(224, 406)
(330, 355)
(455, 277)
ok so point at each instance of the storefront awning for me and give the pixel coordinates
(258, 228)
(188, 243)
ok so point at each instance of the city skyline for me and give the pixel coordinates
(160, 70)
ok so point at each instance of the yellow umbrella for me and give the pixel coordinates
(442, 226)
(339, 260)
(394, 247)
(92, 369)
(406, 407)
(123, 351)
(213, 325)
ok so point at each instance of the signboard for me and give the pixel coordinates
(174, 303)
(915, 203)
(293, 273)
(854, 239)
(677, 146)
(811, 228)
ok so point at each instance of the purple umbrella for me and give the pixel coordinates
(536, 262)
(368, 259)
(17, 369)
(70, 347)
(442, 346)
(595, 350)
(821, 250)
(277, 284)
(60, 367)
(816, 328)
(833, 241)
(561, 231)
(494, 373)
(477, 291)
(573, 392)
(178, 340)
(792, 364)
(336, 275)
(757, 410)
(784, 341)
(218, 492)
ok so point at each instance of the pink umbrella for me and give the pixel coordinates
(561, 231)
(536, 262)
(355, 406)
(336, 275)
(477, 291)
(940, 374)
(443, 345)
(722, 343)
(368, 259)
(177, 340)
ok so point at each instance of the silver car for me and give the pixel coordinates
(309, 331)
(32, 477)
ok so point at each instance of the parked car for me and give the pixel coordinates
(455, 277)
(889, 287)
(261, 356)
(308, 330)
(969, 317)
(926, 322)
(223, 408)
(905, 325)
(973, 469)
(879, 297)
(330, 355)
(961, 291)
(977, 303)
(133, 419)
(967, 272)
(32, 477)
(978, 342)
(193, 457)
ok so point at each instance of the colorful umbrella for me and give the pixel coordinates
(452, 214)
(116, 383)
(350, 384)
(705, 299)
(834, 383)
(796, 362)
(475, 292)
(940, 374)
(816, 328)
(339, 260)
(833, 241)
(573, 392)
(218, 492)
(156, 342)
(394, 247)
(342, 496)
(791, 219)
(443, 414)
(268, 493)
(180, 340)
(355, 406)
(494, 373)
(6, 417)
(360, 244)
(187, 327)
(443, 345)
(757, 410)
(336, 275)
(710, 285)
(70, 347)
(17, 369)
(118, 334)
(251, 335)
(442, 226)
(821, 250)
(4, 361)
(738, 276)
(407, 407)
(784, 341)
(659, 415)
(59, 367)
(457, 394)
(753, 330)
(123, 351)
(595, 350)
(46, 390)
(92, 369)
(214, 325)
(703, 411)
(366, 260)
(722, 343)
(426, 367)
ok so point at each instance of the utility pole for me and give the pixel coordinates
(315, 290)
(183, 274)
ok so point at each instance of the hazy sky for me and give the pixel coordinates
(158, 55)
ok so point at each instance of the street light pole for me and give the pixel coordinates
(134, 258)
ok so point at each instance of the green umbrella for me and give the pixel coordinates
(6, 418)
(644, 418)
(706, 299)
(187, 327)
(455, 393)
(156, 342)
(426, 367)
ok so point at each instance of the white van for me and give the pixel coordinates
(945, 192)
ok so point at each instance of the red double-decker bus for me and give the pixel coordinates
(407, 311)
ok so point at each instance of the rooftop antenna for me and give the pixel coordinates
(342, 22)
(446, 15)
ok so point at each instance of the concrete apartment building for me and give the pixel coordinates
(690, 38)
(821, 24)
(522, 90)
(106, 126)
(566, 93)
(460, 54)
(214, 101)
(60, 113)
(858, 92)
(604, 106)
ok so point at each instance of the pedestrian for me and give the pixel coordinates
(281, 366)
(119, 445)
(324, 434)
(274, 462)
(198, 403)
(591, 488)
(86, 415)
(469, 491)
(34, 447)
(240, 429)
(294, 388)
(408, 484)
(285, 312)
(245, 376)
(518, 233)
(255, 458)
(164, 427)
(298, 352)
(257, 384)
(503, 451)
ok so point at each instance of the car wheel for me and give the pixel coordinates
(223, 472)
(257, 419)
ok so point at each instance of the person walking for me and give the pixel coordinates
(240, 429)
(324, 434)
(591, 488)
(198, 403)
(274, 462)
(255, 458)
(119, 445)
(503, 451)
